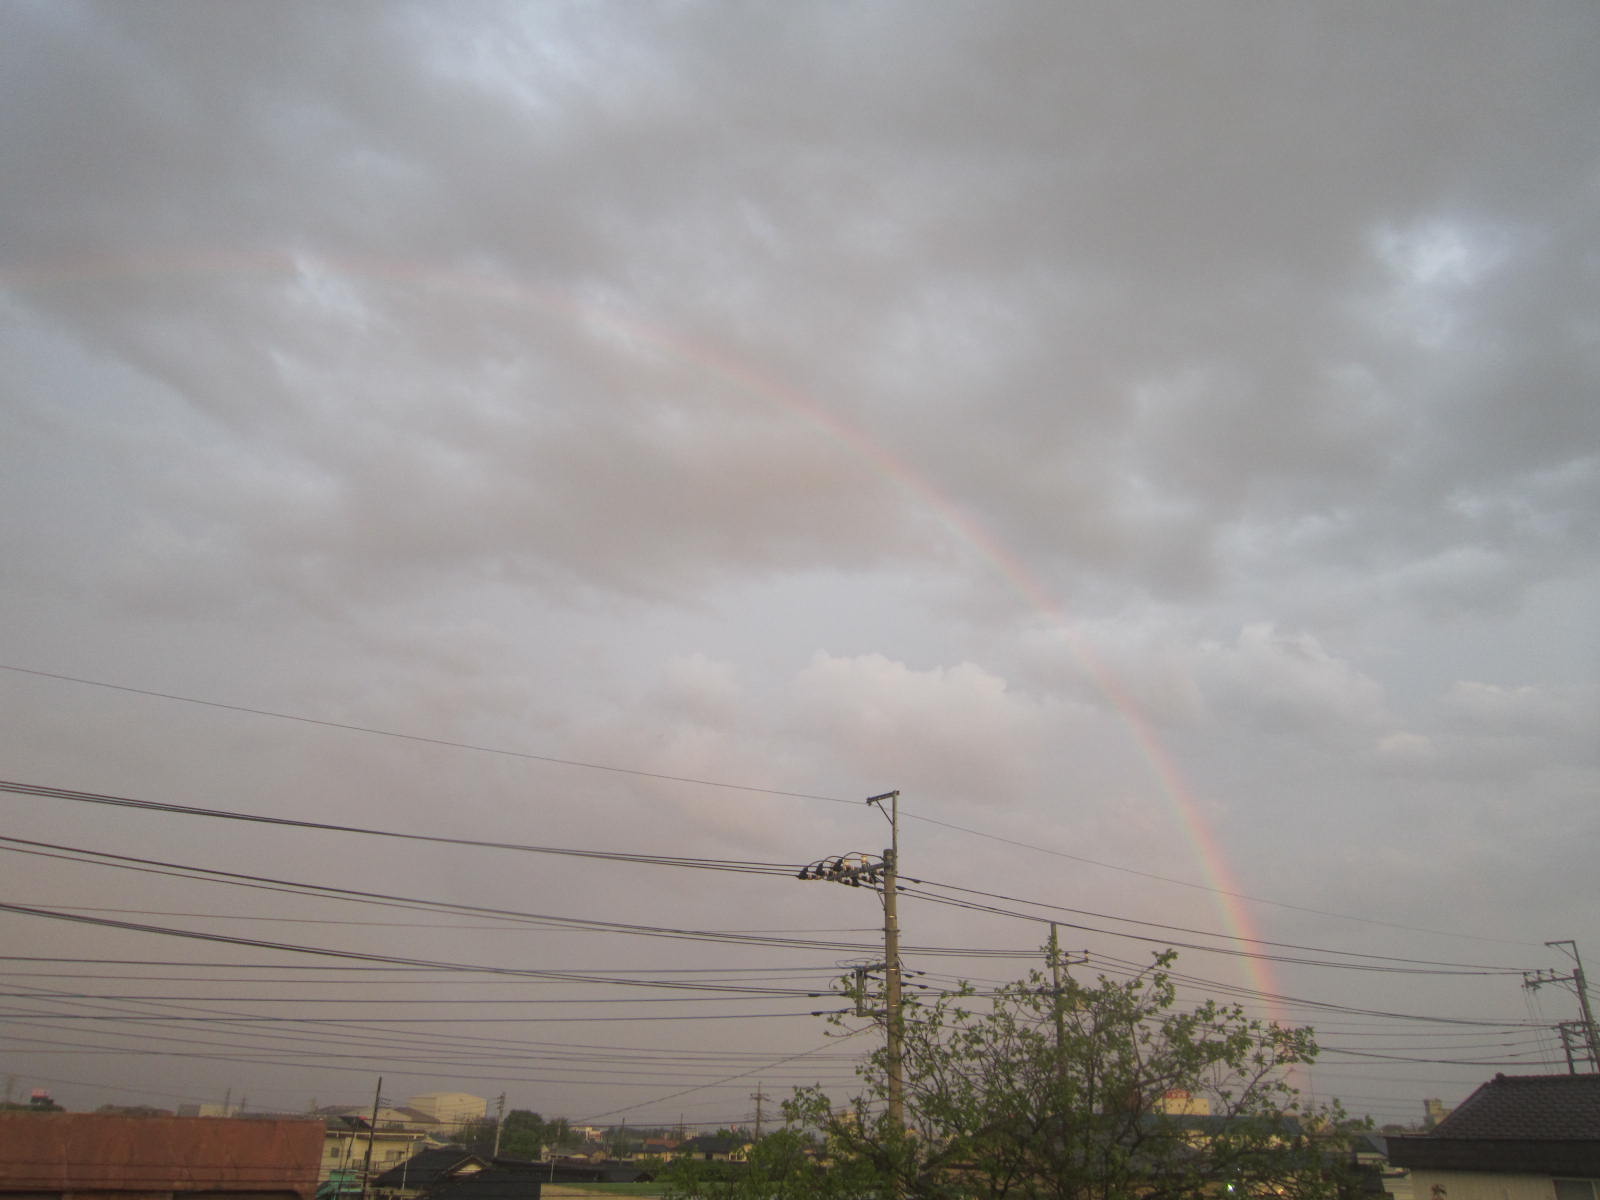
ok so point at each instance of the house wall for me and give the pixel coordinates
(346, 1150)
(1398, 1184)
(1480, 1185)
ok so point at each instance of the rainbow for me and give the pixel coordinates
(1219, 878)
(702, 356)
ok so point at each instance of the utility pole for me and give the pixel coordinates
(895, 1031)
(1579, 1039)
(1055, 1003)
(1057, 1008)
(372, 1132)
(855, 869)
(760, 1098)
(499, 1122)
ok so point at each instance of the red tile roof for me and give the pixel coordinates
(69, 1152)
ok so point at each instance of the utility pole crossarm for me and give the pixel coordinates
(856, 869)
(1580, 1033)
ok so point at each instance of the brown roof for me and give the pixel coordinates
(69, 1152)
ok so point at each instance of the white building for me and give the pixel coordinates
(451, 1109)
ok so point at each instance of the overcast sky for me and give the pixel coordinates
(1160, 441)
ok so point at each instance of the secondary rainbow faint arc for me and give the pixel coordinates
(706, 357)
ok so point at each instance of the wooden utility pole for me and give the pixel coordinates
(372, 1132)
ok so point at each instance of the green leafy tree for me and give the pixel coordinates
(476, 1134)
(620, 1141)
(524, 1134)
(784, 1165)
(558, 1133)
(1036, 1093)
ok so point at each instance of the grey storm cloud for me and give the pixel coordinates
(1162, 441)
(1166, 294)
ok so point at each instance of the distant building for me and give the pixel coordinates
(450, 1108)
(345, 1142)
(208, 1110)
(1179, 1102)
(58, 1156)
(712, 1147)
(1433, 1112)
(404, 1117)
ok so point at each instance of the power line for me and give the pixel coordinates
(1203, 887)
(355, 955)
(454, 927)
(715, 864)
(1316, 1005)
(1514, 1060)
(422, 964)
(377, 1001)
(1413, 965)
(360, 1044)
(545, 1050)
(415, 737)
(686, 1091)
(387, 900)
(389, 1021)
(239, 966)
(1420, 967)
(323, 1061)
(584, 765)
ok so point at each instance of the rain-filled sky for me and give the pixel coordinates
(1161, 442)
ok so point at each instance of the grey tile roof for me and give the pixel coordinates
(427, 1167)
(1529, 1107)
(1544, 1124)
